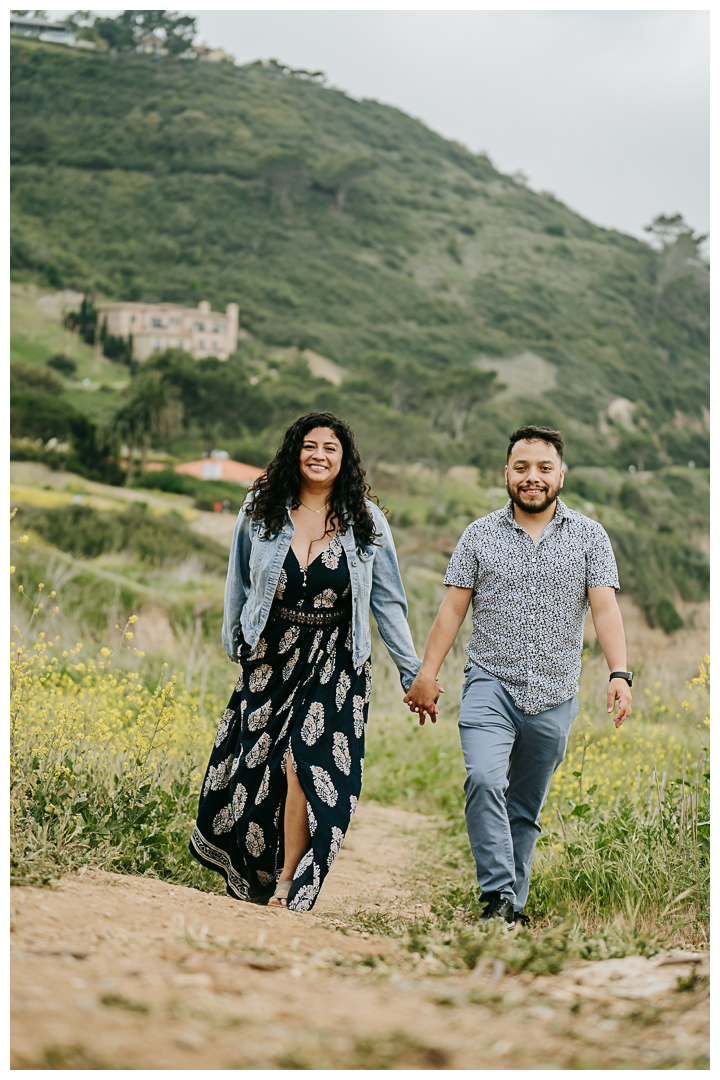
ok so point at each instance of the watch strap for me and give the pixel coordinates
(626, 675)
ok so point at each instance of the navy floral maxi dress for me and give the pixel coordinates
(299, 694)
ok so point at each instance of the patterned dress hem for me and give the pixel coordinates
(214, 858)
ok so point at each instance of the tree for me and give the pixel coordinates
(191, 131)
(125, 427)
(340, 175)
(216, 395)
(668, 230)
(150, 406)
(402, 382)
(682, 283)
(37, 415)
(452, 399)
(131, 28)
(27, 379)
(284, 174)
(175, 31)
(84, 320)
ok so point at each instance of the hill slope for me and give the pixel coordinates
(348, 227)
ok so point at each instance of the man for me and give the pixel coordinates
(530, 569)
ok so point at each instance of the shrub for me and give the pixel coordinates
(26, 379)
(665, 614)
(42, 416)
(205, 492)
(63, 364)
(156, 540)
(95, 775)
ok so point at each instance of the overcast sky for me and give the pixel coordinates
(609, 110)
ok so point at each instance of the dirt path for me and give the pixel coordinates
(112, 971)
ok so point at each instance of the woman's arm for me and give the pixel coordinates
(237, 584)
(388, 604)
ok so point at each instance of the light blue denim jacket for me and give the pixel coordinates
(254, 569)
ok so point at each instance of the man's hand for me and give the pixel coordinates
(618, 691)
(425, 690)
(423, 695)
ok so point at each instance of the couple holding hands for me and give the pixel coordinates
(311, 557)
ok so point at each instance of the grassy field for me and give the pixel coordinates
(110, 740)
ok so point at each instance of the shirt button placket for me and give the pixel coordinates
(531, 644)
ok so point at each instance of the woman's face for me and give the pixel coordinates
(320, 457)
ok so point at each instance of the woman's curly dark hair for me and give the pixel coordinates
(281, 482)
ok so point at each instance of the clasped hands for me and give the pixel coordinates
(422, 697)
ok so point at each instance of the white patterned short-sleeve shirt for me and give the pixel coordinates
(530, 602)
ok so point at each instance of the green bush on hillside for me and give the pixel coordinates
(156, 540)
(655, 566)
(25, 379)
(206, 493)
(63, 364)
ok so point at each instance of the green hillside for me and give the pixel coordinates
(348, 228)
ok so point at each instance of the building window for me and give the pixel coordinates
(156, 343)
(157, 322)
(201, 343)
(132, 318)
(174, 321)
(214, 344)
(199, 325)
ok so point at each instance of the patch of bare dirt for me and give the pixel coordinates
(111, 971)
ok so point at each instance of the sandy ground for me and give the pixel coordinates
(110, 971)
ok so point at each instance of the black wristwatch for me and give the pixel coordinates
(626, 675)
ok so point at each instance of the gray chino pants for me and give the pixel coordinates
(510, 757)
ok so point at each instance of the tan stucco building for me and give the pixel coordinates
(155, 327)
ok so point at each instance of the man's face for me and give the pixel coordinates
(534, 475)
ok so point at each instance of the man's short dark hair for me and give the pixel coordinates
(534, 433)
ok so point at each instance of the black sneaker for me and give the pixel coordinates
(498, 907)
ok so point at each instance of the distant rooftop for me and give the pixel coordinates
(32, 26)
(220, 468)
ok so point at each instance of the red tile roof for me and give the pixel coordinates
(218, 469)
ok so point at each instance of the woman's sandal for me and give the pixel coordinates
(279, 897)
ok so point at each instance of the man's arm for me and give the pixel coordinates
(611, 635)
(422, 695)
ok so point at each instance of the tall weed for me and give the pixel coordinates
(105, 764)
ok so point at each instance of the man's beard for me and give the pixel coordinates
(536, 507)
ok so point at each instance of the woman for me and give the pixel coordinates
(311, 555)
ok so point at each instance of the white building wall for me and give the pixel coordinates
(155, 327)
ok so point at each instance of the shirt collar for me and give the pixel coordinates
(561, 511)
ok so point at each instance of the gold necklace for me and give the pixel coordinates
(318, 512)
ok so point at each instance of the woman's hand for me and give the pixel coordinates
(423, 695)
